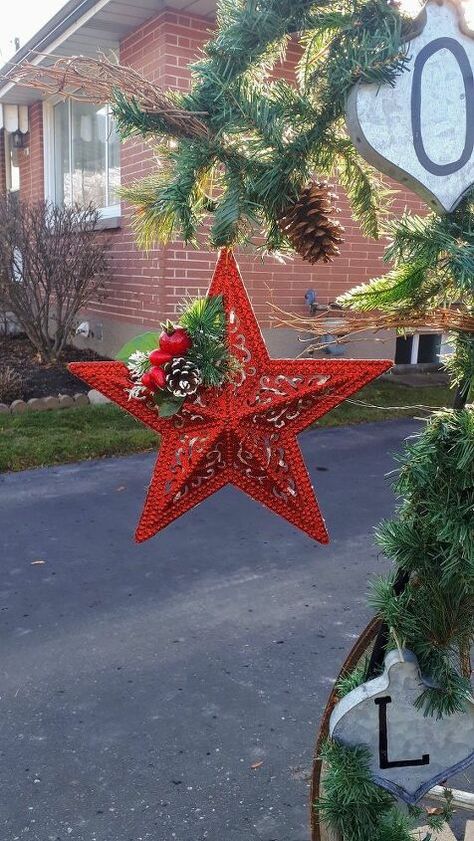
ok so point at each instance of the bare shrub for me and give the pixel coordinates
(10, 384)
(52, 263)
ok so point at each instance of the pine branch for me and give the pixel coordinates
(235, 216)
(436, 242)
(353, 679)
(392, 291)
(204, 315)
(153, 221)
(205, 321)
(175, 197)
(460, 364)
(323, 26)
(414, 238)
(353, 806)
(432, 539)
(264, 135)
(369, 197)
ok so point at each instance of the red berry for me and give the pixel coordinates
(147, 381)
(154, 378)
(158, 377)
(177, 343)
(159, 357)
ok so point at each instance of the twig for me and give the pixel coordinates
(97, 79)
(346, 324)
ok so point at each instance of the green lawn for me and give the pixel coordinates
(38, 439)
(392, 401)
(41, 438)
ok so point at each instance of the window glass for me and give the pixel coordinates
(403, 350)
(430, 347)
(87, 155)
(89, 135)
(113, 161)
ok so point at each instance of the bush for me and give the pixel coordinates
(10, 384)
(52, 264)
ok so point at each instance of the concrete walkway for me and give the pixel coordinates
(140, 684)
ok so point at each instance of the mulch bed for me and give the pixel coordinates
(41, 379)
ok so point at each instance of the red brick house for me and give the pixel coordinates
(72, 153)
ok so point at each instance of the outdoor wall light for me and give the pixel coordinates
(19, 139)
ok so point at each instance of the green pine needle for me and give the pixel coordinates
(204, 315)
(353, 806)
(351, 680)
(205, 321)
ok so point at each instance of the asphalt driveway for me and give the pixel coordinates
(139, 684)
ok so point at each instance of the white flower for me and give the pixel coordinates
(137, 357)
(137, 364)
(137, 392)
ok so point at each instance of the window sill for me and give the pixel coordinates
(107, 223)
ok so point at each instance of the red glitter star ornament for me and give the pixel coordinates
(243, 433)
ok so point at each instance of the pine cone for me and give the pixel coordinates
(183, 377)
(309, 225)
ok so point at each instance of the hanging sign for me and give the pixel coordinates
(421, 130)
(410, 752)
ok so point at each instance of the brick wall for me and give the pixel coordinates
(31, 161)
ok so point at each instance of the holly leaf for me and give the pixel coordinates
(144, 342)
(160, 396)
(167, 404)
(170, 407)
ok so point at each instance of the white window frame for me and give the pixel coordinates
(110, 212)
(415, 346)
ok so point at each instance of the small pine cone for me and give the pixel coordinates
(183, 377)
(309, 224)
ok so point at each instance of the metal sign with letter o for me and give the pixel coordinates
(421, 131)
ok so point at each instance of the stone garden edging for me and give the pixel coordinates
(62, 401)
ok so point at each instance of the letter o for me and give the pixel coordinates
(459, 53)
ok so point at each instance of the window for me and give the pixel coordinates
(12, 170)
(420, 347)
(85, 159)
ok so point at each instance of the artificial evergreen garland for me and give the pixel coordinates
(432, 261)
(266, 138)
(357, 809)
(432, 542)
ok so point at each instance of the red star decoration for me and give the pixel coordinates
(245, 432)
